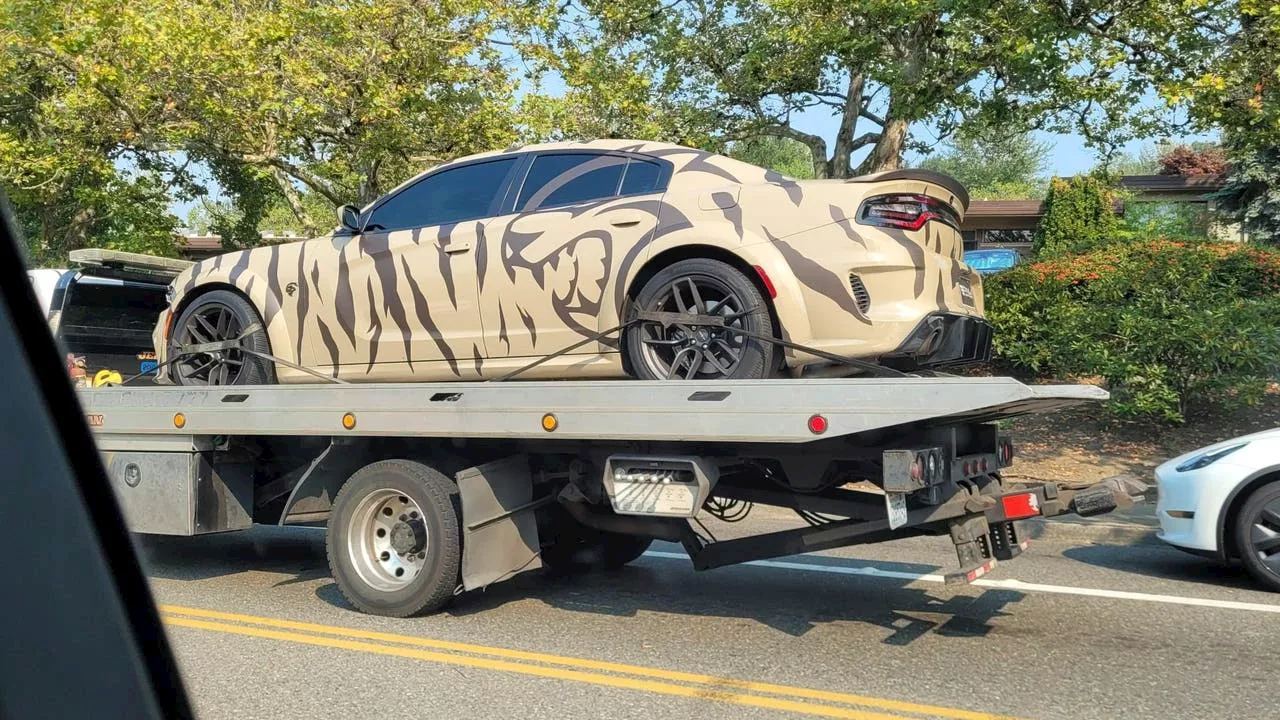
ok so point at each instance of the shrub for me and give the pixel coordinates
(1079, 215)
(1188, 160)
(1166, 324)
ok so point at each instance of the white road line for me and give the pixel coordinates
(871, 571)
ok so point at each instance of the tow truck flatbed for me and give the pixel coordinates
(434, 488)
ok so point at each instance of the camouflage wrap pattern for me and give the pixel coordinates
(474, 299)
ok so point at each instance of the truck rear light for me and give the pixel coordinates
(817, 424)
(906, 212)
(1023, 505)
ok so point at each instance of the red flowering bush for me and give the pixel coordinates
(1168, 324)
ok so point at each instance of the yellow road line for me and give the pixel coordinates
(702, 693)
(717, 685)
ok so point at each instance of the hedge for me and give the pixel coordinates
(1168, 325)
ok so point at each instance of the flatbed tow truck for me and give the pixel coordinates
(431, 490)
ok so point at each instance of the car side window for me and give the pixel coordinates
(569, 178)
(642, 176)
(451, 195)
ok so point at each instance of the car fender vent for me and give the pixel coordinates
(860, 294)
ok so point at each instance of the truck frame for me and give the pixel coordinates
(429, 490)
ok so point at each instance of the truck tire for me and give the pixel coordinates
(393, 539)
(575, 548)
(1257, 529)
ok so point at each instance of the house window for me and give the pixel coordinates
(1008, 237)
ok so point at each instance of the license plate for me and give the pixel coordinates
(896, 505)
(966, 292)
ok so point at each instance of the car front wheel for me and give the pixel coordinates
(658, 350)
(1258, 535)
(221, 316)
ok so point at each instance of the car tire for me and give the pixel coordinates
(193, 326)
(655, 352)
(422, 538)
(1257, 533)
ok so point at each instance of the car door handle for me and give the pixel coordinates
(626, 220)
(454, 248)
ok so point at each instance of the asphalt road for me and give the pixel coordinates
(1065, 631)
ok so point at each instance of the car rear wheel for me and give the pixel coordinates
(700, 286)
(215, 317)
(1258, 535)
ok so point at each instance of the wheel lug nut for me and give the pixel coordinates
(404, 518)
(413, 514)
(386, 555)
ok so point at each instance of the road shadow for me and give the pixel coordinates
(790, 601)
(295, 551)
(1165, 563)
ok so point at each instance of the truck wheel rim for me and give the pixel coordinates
(210, 324)
(387, 540)
(1264, 536)
(688, 352)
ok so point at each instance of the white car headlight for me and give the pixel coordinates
(1208, 458)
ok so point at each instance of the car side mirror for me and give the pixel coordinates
(349, 217)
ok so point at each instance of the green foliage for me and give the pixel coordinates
(1252, 192)
(785, 155)
(994, 166)
(745, 68)
(1079, 214)
(1167, 325)
(278, 218)
(1170, 219)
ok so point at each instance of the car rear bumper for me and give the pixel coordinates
(942, 340)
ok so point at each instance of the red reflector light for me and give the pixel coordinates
(966, 469)
(1020, 506)
(768, 284)
(817, 424)
(984, 464)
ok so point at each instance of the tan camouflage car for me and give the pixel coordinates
(480, 266)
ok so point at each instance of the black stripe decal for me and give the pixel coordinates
(424, 316)
(446, 272)
(375, 327)
(528, 325)
(482, 255)
(502, 327)
(302, 299)
(272, 306)
(329, 344)
(475, 349)
(344, 300)
(378, 248)
(818, 278)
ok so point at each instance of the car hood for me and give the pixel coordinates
(1272, 434)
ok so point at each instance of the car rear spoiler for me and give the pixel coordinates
(929, 176)
(127, 265)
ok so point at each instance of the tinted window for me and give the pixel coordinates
(463, 193)
(572, 178)
(642, 177)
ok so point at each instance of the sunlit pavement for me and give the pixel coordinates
(1062, 632)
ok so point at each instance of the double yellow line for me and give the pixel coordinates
(595, 672)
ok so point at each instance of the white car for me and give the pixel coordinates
(1223, 501)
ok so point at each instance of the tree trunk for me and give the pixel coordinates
(78, 231)
(887, 154)
(294, 200)
(841, 156)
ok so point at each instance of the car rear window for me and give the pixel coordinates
(569, 178)
(642, 177)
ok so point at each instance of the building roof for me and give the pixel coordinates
(1181, 184)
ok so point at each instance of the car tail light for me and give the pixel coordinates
(906, 212)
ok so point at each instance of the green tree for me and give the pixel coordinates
(1079, 215)
(995, 166)
(782, 154)
(745, 68)
(345, 99)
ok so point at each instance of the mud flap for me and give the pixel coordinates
(499, 531)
